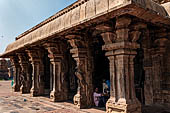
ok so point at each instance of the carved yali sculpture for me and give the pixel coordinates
(79, 75)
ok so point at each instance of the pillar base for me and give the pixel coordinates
(57, 96)
(24, 90)
(81, 101)
(15, 88)
(120, 107)
(76, 100)
(34, 93)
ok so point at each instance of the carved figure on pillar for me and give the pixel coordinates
(17, 72)
(120, 47)
(79, 51)
(158, 52)
(25, 77)
(35, 57)
(56, 53)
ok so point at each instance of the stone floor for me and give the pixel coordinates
(16, 103)
(11, 102)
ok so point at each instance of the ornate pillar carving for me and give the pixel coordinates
(158, 64)
(147, 64)
(56, 53)
(25, 77)
(17, 71)
(81, 54)
(120, 49)
(37, 72)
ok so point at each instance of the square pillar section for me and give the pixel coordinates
(25, 80)
(57, 55)
(37, 72)
(17, 70)
(120, 49)
(81, 53)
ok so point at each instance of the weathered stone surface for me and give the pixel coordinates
(56, 53)
(101, 6)
(90, 9)
(35, 57)
(81, 53)
(134, 34)
(167, 7)
(83, 12)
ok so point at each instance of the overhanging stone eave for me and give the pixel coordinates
(129, 8)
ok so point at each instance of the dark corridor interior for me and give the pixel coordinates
(139, 75)
(72, 79)
(46, 73)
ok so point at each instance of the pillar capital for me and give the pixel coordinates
(55, 50)
(15, 61)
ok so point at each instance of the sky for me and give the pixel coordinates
(17, 16)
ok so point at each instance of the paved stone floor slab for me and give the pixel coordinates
(11, 102)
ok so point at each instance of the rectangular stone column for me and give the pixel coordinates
(17, 72)
(120, 47)
(56, 53)
(25, 77)
(147, 65)
(158, 68)
(37, 72)
(81, 53)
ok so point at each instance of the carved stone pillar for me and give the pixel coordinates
(17, 71)
(80, 53)
(25, 77)
(147, 63)
(37, 72)
(158, 67)
(56, 53)
(120, 49)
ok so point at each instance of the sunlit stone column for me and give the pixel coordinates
(17, 71)
(56, 53)
(120, 47)
(25, 77)
(80, 52)
(37, 72)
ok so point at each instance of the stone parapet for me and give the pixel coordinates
(85, 12)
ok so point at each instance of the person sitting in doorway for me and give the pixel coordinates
(96, 96)
(99, 98)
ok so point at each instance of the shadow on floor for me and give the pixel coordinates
(163, 108)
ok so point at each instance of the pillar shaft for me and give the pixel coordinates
(17, 71)
(25, 77)
(81, 53)
(56, 53)
(37, 72)
(158, 68)
(121, 50)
